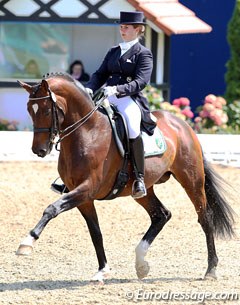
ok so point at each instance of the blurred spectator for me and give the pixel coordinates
(32, 69)
(77, 71)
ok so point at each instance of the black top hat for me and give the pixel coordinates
(131, 18)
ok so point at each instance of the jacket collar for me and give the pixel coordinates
(133, 50)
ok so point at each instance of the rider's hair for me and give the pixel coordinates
(141, 29)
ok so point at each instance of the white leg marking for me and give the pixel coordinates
(26, 246)
(142, 267)
(28, 241)
(35, 108)
(101, 274)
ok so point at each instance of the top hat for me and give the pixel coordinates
(131, 18)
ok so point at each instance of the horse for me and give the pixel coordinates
(89, 161)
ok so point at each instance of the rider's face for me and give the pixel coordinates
(128, 32)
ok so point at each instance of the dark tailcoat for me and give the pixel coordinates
(130, 73)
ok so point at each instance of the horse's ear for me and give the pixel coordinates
(44, 85)
(26, 86)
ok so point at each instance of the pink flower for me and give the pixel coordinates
(210, 98)
(212, 115)
(208, 107)
(176, 102)
(221, 100)
(197, 128)
(184, 101)
(218, 104)
(203, 114)
(219, 112)
(188, 113)
(218, 120)
(198, 119)
(224, 118)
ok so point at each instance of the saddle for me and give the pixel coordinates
(120, 133)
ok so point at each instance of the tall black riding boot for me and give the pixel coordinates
(137, 155)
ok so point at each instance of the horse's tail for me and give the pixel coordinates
(222, 215)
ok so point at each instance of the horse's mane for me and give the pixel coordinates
(66, 77)
(63, 75)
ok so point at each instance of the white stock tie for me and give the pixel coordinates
(124, 47)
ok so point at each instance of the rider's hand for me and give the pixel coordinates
(89, 91)
(110, 90)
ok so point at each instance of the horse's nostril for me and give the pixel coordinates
(42, 153)
(39, 152)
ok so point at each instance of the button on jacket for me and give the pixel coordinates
(130, 72)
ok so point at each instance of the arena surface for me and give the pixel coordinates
(63, 262)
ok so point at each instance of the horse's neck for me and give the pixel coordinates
(76, 107)
(79, 105)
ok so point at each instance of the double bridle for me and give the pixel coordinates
(55, 130)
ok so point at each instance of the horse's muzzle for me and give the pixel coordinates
(40, 152)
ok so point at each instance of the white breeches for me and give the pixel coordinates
(131, 112)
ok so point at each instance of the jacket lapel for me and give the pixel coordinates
(133, 50)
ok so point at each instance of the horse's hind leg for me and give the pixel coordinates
(159, 215)
(194, 187)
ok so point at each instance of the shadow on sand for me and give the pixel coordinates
(71, 285)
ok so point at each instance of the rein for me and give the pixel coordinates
(54, 130)
(77, 125)
(39, 98)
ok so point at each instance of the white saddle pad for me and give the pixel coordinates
(154, 145)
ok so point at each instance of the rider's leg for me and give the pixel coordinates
(137, 155)
(132, 115)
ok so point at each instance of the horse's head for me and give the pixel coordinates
(46, 116)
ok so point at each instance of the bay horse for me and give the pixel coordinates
(89, 162)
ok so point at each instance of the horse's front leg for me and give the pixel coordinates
(78, 196)
(89, 213)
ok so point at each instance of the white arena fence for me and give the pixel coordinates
(218, 149)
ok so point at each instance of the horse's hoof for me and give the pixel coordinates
(142, 269)
(100, 276)
(24, 250)
(211, 275)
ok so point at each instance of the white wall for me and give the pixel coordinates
(218, 149)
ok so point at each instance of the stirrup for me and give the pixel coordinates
(59, 188)
(138, 189)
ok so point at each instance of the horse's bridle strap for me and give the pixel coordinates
(39, 98)
(41, 129)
